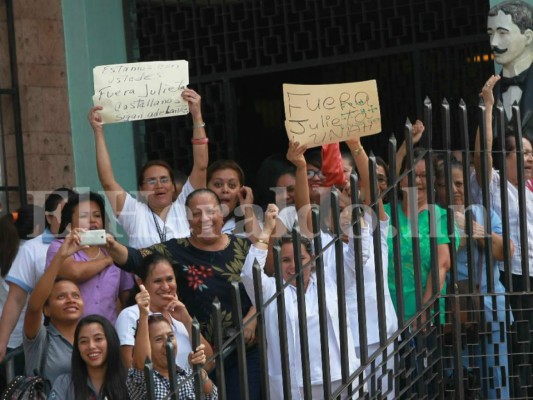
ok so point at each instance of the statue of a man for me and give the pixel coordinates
(510, 28)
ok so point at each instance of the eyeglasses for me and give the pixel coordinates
(155, 317)
(312, 173)
(153, 181)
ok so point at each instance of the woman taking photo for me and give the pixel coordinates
(206, 264)
(157, 276)
(97, 369)
(48, 349)
(153, 332)
(158, 218)
(104, 287)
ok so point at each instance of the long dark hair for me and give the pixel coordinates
(73, 201)
(29, 217)
(114, 386)
(9, 243)
(53, 200)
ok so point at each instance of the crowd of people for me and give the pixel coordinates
(87, 317)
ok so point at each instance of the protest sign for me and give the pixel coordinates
(144, 90)
(322, 114)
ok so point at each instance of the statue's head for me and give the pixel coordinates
(510, 27)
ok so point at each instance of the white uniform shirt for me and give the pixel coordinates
(137, 220)
(369, 276)
(289, 215)
(26, 270)
(127, 324)
(28, 266)
(313, 333)
(514, 216)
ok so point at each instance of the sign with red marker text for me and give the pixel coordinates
(144, 90)
(322, 114)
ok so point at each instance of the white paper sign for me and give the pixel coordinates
(144, 90)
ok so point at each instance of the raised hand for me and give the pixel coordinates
(418, 130)
(94, 117)
(486, 92)
(194, 100)
(178, 311)
(71, 244)
(246, 195)
(143, 301)
(295, 154)
(271, 214)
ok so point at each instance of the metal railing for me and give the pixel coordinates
(433, 356)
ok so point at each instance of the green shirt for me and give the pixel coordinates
(406, 251)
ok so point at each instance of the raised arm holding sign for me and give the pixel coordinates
(155, 216)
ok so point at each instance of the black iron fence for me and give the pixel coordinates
(482, 353)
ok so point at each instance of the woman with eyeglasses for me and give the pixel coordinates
(158, 217)
(157, 276)
(418, 196)
(494, 340)
(206, 264)
(97, 369)
(153, 332)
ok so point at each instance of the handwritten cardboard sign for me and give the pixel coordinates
(322, 114)
(144, 90)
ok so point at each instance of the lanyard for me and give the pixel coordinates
(162, 234)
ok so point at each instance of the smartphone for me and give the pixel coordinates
(95, 237)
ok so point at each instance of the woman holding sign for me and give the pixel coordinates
(158, 218)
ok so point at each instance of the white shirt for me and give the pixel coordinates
(289, 215)
(127, 324)
(313, 333)
(513, 214)
(15, 339)
(28, 266)
(137, 220)
(369, 276)
(26, 270)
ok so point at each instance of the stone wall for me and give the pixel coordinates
(42, 81)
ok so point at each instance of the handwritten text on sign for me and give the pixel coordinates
(130, 92)
(322, 114)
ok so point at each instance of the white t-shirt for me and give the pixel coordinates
(139, 222)
(28, 266)
(15, 340)
(26, 270)
(127, 324)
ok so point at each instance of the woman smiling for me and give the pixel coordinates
(206, 264)
(97, 369)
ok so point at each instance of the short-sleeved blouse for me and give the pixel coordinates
(203, 276)
(406, 250)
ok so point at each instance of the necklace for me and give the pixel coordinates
(97, 255)
(162, 233)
